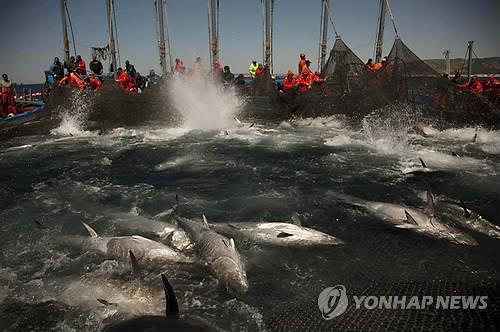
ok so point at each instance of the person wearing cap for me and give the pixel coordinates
(317, 78)
(252, 68)
(302, 62)
(7, 99)
(305, 80)
(289, 83)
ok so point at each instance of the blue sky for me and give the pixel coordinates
(426, 26)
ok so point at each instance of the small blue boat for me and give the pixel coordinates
(26, 111)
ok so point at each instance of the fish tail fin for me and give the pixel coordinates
(171, 305)
(90, 230)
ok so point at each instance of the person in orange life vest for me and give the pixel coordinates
(94, 82)
(198, 66)
(122, 78)
(317, 78)
(305, 81)
(259, 70)
(8, 102)
(132, 74)
(80, 66)
(289, 83)
(379, 65)
(73, 79)
(371, 66)
(179, 66)
(475, 85)
(302, 62)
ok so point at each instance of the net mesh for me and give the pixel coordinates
(353, 89)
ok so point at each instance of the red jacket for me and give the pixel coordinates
(123, 80)
(289, 84)
(302, 63)
(81, 68)
(305, 83)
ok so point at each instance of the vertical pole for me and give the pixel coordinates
(110, 9)
(169, 47)
(469, 60)
(267, 34)
(213, 30)
(447, 62)
(65, 31)
(161, 37)
(325, 5)
(379, 43)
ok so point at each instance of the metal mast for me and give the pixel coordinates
(110, 7)
(267, 20)
(325, 5)
(65, 31)
(379, 42)
(213, 30)
(446, 54)
(161, 36)
(469, 60)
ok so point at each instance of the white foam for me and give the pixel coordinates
(204, 104)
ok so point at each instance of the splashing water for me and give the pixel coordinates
(387, 129)
(73, 120)
(203, 103)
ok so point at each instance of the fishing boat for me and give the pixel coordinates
(26, 111)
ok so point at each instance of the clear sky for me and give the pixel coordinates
(33, 33)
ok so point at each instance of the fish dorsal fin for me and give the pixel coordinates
(90, 230)
(296, 219)
(106, 303)
(430, 209)
(176, 204)
(227, 244)
(466, 212)
(136, 273)
(39, 224)
(410, 219)
(231, 242)
(253, 124)
(205, 221)
(454, 154)
(474, 139)
(171, 305)
(283, 234)
(422, 162)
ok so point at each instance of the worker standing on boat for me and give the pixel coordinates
(152, 78)
(96, 66)
(252, 69)
(8, 101)
(305, 81)
(302, 62)
(317, 78)
(259, 71)
(122, 78)
(197, 67)
(81, 66)
(371, 66)
(71, 65)
(290, 83)
(179, 66)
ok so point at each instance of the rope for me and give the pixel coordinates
(70, 27)
(116, 35)
(392, 19)
(465, 60)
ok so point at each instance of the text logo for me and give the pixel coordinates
(332, 302)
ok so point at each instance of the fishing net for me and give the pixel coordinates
(344, 70)
(404, 78)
